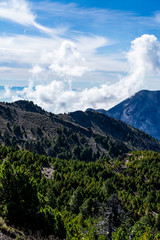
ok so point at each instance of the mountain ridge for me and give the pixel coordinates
(142, 111)
(78, 135)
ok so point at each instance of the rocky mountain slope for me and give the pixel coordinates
(141, 111)
(78, 135)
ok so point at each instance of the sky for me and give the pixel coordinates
(73, 55)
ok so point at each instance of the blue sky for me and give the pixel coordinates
(142, 7)
(69, 55)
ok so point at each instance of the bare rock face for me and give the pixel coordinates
(141, 111)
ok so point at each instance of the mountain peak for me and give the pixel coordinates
(28, 106)
(141, 111)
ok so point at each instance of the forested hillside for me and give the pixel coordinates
(79, 135)
(108, 199)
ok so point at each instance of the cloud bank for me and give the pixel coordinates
(56, 60)
(58, 96)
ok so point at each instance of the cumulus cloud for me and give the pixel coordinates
(18, 11)
(36, 71)
(68, 61)
(143, 61)
(144, 56)
(56, 96)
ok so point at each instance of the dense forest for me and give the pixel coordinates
(49, 198)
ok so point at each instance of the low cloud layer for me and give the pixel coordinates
(58, 96)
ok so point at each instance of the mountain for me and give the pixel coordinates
(50, 198)
(141, 111)
(78, 135)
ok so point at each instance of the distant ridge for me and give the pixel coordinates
(141, 111)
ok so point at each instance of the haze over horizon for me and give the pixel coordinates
(68, 56)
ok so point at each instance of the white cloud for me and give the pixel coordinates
(68, 61)
(7, 92)
(18, 11)
(143, 59)
(53, 62)
(21, 49)
(35, 71)
(62, 56)
(144, 56)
